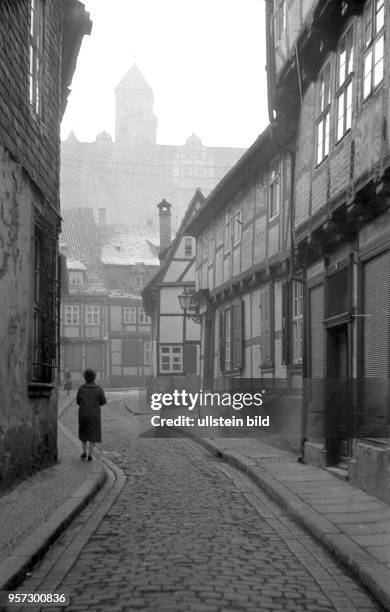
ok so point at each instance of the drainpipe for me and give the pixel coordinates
(271, 81)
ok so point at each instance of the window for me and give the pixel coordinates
(37, 300)
(45, 300)
(147, 353)
(36, 55)
(188, 246)
(237, 226)
(231, 337)
(280, 12)
(227, 235)
(274, 194)
(72, 315)
(374, 20)
(265, 326)
(211, 249)
(129, 315)
(142, 316)
(139, 281)
(323, 113)
(297, 321)
(75, 278)
(92, 315)
(171, 359)
(228, 339)
(199, 251)
(344, 84)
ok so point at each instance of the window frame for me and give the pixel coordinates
(147, 353)
(373, 37)
(146, 320)
(139, 281)
(344, 84)
(45, 303)
(131, 310)
(188, 247)
(36, 56)
(324, 100)
(74, 311)
(266, 326)
(76, 274)
(92, 315)
(297, 321)
(237, 228)
(227, 232)
(274, 187)
(232, 337)
(171, 351)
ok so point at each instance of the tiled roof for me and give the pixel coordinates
(124, 245)
(122, 293)
(74, 264)
(88, 248)
(79, 233)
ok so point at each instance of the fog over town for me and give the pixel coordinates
(194, 305)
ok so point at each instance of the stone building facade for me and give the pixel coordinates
(128, 175)
(39, 43)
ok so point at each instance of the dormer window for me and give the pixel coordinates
(76, 278)
(139, 281)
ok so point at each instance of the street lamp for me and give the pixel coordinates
(187, 305)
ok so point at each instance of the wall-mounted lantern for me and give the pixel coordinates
(190, 309)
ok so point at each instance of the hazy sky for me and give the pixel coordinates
(204, 59)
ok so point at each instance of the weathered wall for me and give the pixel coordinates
(33, 142)
(357, 153)
(28, 427)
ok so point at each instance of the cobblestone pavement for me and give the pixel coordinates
(190, 533)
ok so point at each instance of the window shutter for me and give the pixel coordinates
(376, 345)
(286, 322)
(238, 341)
(265, 320)
(189, 358)
(222, 340)
(242, 329)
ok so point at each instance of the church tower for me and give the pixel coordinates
(135, 122)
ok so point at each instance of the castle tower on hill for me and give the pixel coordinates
(135, 122)
(129, 175)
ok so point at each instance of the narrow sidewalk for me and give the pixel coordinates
(36, 511)
(353, 525)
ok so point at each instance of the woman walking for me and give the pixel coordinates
(89, 399)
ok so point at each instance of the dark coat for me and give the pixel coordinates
(89, 398)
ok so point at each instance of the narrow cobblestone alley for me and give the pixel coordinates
(190, 533)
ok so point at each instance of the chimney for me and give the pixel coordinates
(165, 226)
(101, 217)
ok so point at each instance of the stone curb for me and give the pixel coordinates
(14, 567)
(374, 576)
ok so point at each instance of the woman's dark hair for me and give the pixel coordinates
(89, 375)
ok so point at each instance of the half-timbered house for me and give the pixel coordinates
(242, 280)
(328, 90)
(175, 336)
(103, 323)
(129, 257)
